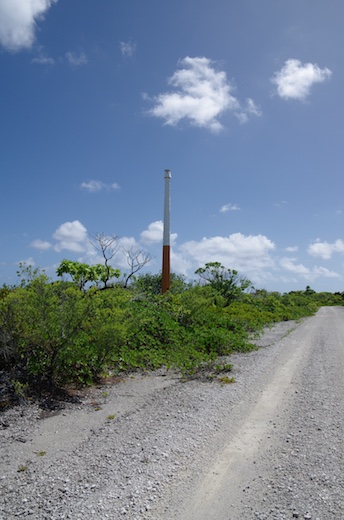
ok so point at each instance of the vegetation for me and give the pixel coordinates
(76, 330)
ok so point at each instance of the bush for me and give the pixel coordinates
(54, 333)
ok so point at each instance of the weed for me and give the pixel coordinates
(20, 389)
(218, 369)
(22, 468)
(41, 453)
(110, 417)
(225, 380)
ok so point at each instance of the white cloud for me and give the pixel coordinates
(42, 58)
(180, 264)
(154, 233)
(280, 204)
(289, 264)
(292, 249)
(295, 80)
(251, 255)
(325, 250)
(127, 48)
(93, 186)
(43, 245)
(326, 273)
(251, 109)
(119, 260)
(71, 236)
(76, 59)
(28, 261)
(229, 207)
(248, 254)
(128, 243)
(202, 95)
(18, 21)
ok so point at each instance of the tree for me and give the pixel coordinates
(108, 246)
(226, 281)
(149, 283)
(82, 274)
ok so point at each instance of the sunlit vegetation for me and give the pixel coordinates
(88, 324)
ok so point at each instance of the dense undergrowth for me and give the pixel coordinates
(54, 333)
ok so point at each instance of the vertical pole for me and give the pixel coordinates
(165, 285)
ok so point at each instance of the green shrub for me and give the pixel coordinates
(52, 332)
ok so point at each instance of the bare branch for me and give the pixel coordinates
(108, 246)
(136, 259)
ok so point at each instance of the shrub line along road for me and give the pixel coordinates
(269, 446)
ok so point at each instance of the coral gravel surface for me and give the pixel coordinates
(159, 446)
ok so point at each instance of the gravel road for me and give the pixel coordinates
(157, 447)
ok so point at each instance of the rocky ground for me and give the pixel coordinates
(154, 447)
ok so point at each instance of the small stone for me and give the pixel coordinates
(21, 439)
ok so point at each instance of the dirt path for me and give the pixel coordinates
(269, 446)
(281, 453)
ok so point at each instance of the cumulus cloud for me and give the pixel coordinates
(325, 250)
(202, 94)
(76, 59)
(289, 264)
(127, 48)
(71, 236)
(252, 255)
(295, 79)
(154, 233)
(326, 273)
(94, 186)
(18, 21)
(248, 254)
(229, 207)
(181, 264)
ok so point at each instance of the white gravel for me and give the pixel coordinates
(269, 446)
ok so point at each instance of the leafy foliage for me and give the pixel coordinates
(150, 284)
(226, 281)
(54, 333)
(83, 274)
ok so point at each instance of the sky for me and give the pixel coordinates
(241, 99)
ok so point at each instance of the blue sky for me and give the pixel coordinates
(242, 100)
